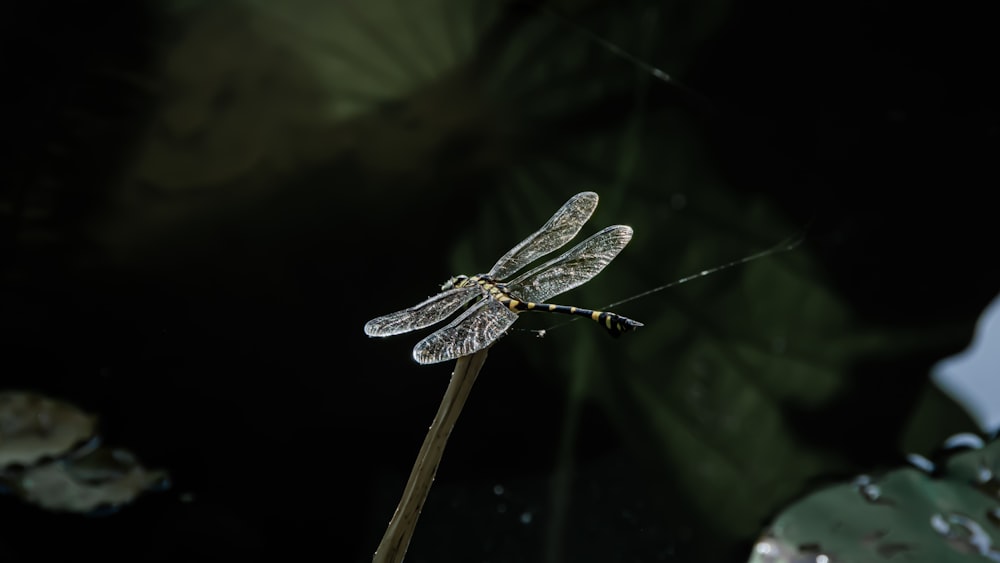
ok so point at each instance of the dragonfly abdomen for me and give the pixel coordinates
(615, 324)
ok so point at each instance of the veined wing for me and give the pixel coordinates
(557, 231)
(473, 330)
(572, 268)
(424, 314)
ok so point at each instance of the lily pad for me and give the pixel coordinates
(906, 513)
(51, 456)
(34, 427)
(103, 479)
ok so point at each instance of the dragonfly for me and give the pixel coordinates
(494, 301)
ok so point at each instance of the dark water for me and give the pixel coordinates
(203, 204)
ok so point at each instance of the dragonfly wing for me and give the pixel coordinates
(572, 268)
(560, 228)
(472, 331)
(421, 315)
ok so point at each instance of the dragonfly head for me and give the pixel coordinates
(456, 281)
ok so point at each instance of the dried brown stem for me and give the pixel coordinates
(392, 548)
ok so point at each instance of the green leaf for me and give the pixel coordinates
(904, 514)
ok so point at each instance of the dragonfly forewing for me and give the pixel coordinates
(557, 231)
(574, 267)
(424, 314)
(473, 330)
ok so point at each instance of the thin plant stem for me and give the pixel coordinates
(392, 548)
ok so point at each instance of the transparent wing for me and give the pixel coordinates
(573, 268)
(421, 315)
(472, 331)
(559, 229)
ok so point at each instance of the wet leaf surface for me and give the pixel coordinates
(905, 513)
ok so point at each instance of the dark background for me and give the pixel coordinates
(204, 202)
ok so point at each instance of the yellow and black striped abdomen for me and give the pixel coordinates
(615, 324)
